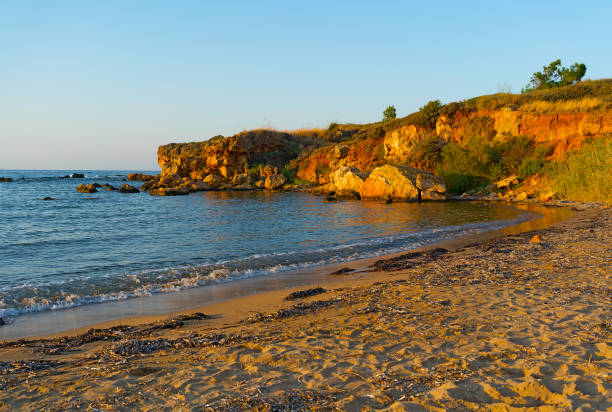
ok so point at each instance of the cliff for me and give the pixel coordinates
(470, 144)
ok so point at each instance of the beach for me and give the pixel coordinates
(495, 324)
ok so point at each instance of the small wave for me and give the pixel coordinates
(74, 292)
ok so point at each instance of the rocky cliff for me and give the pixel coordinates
(225, 157)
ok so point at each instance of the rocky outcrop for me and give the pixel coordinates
(125, 188)
(140, 177)
(169, 191)
(73, 176)
(224, 157)
(82, 188)
(402, 183)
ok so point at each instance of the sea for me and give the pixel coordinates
(87, 249)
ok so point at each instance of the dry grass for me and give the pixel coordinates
(587, 104)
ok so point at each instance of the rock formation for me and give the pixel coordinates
(6, 179)
(125, 188)
(82, 188)
(402, 183)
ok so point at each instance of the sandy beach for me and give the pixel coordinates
(496, 324)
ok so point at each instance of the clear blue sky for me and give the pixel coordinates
(100, 84)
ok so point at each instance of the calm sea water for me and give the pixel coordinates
(85, 248)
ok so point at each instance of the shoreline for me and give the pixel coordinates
(497, 323)
(225, 296)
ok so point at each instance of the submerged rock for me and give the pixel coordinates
(83, 188)
(169, 191)
(73, 176)
(125, 188)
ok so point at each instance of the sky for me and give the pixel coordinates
(101, 84)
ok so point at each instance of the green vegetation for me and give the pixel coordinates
(555, 75)
(389, 113)
(584, 174)
(428, 114)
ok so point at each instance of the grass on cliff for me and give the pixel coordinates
(584, 174)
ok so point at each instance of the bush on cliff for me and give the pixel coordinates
(555, 75)
(584, 174)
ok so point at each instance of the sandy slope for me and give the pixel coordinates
(503, 324)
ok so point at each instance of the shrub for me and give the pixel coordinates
(530, 167)
(389, 113)
(332, 126)
(555, 75)
(429, 113)
(458, 183)
(584, 175)
(427, 152)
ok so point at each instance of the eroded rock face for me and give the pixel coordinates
(224, 157)
(402, 183)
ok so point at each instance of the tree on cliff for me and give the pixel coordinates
(555, 75)
(389, 113)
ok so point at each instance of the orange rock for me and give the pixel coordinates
(536, 239)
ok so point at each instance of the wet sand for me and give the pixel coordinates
(495, 324)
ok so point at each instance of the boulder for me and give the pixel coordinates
(199, 186)
(125, 188)
(346, 181)
(275, 182)
(428, 182)
(82, 188)
(391, 182)
(6, 179)
(507, 182)
(402, 183)
(148, 185)
(241, 179)
(213, 180)
(169, 191)
(260, 184)
(244, 186)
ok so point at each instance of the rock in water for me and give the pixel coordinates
(169, 191)
(6, 179)
(275, 182)
(125, 188)
(47, 198)
(82, 188)
(2, 322)
(140, 177)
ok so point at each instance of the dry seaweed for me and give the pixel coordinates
(305, 293)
